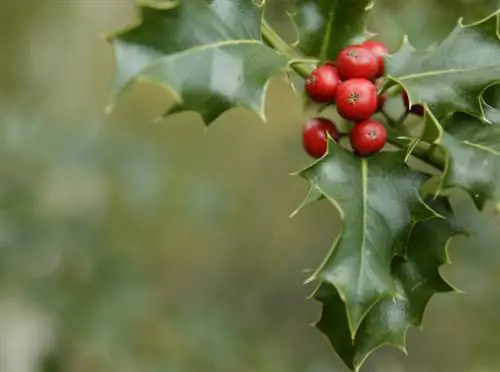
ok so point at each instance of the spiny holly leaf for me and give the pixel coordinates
(379, 201)
(208, 53)
(472, 152)
(333, 323)
(416, 279)
(325, 27)
(452, 76)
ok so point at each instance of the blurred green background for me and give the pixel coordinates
(128, 245)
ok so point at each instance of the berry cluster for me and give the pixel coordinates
(349, 83)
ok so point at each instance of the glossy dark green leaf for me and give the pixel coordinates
(416, 279)
(324, 27)
(452, 76)
(471, 149)
(379, 202)
(208, 53)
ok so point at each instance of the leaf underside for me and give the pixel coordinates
(208, 53)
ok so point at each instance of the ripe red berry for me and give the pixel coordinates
(357, 62)
(406, 100)
(379, 50)
(321, 84)
(415, 109)
(368, 137)
(357, 99)
(382, 99)
(314, 135)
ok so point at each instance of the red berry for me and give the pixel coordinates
(357, 62)
(314, 135)
(357, 99)
(379, 50)
(382, 99)
(368, 137)
(415, 109)
(321, 84)
(406, 100)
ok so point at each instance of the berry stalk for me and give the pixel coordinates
(274, 40)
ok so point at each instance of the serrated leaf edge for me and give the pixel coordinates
(430, 73)
(437, 143)
(261, 111)
(314, 277)
(355, 366)
(403, 347)
(322, 56)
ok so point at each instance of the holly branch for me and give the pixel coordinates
(303, 67)
(383, 268)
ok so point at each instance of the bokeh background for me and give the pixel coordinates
(128, 245)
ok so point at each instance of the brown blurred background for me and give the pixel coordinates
(132, 246)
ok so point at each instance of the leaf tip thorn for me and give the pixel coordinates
(311, 279)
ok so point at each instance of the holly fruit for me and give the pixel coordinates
(382, 99)
(356, 99)
(357, 62)
(415, 109)
(314, 135)
(321, 84)
(379, 50)
(368, 137)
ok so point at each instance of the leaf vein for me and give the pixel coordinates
(364, 188)
(442, 72)
(481, 147)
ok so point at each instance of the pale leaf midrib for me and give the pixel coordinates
(326, 40)
(203, 47)
(364, 192)
(443, 72)
(482, 148)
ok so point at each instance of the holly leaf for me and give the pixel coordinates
(378, 199)
(452, 76)
(416, 278)
(471, 149)
(208, 53)
(325, 27)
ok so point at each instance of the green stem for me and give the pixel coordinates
(421, 152)
(303, 69)
(275, 41)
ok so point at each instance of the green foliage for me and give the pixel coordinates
(471, 148)
(324, 27)
(452, 76)
(382, 269)
(210, 55)
(378, 211)
(416, 279)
